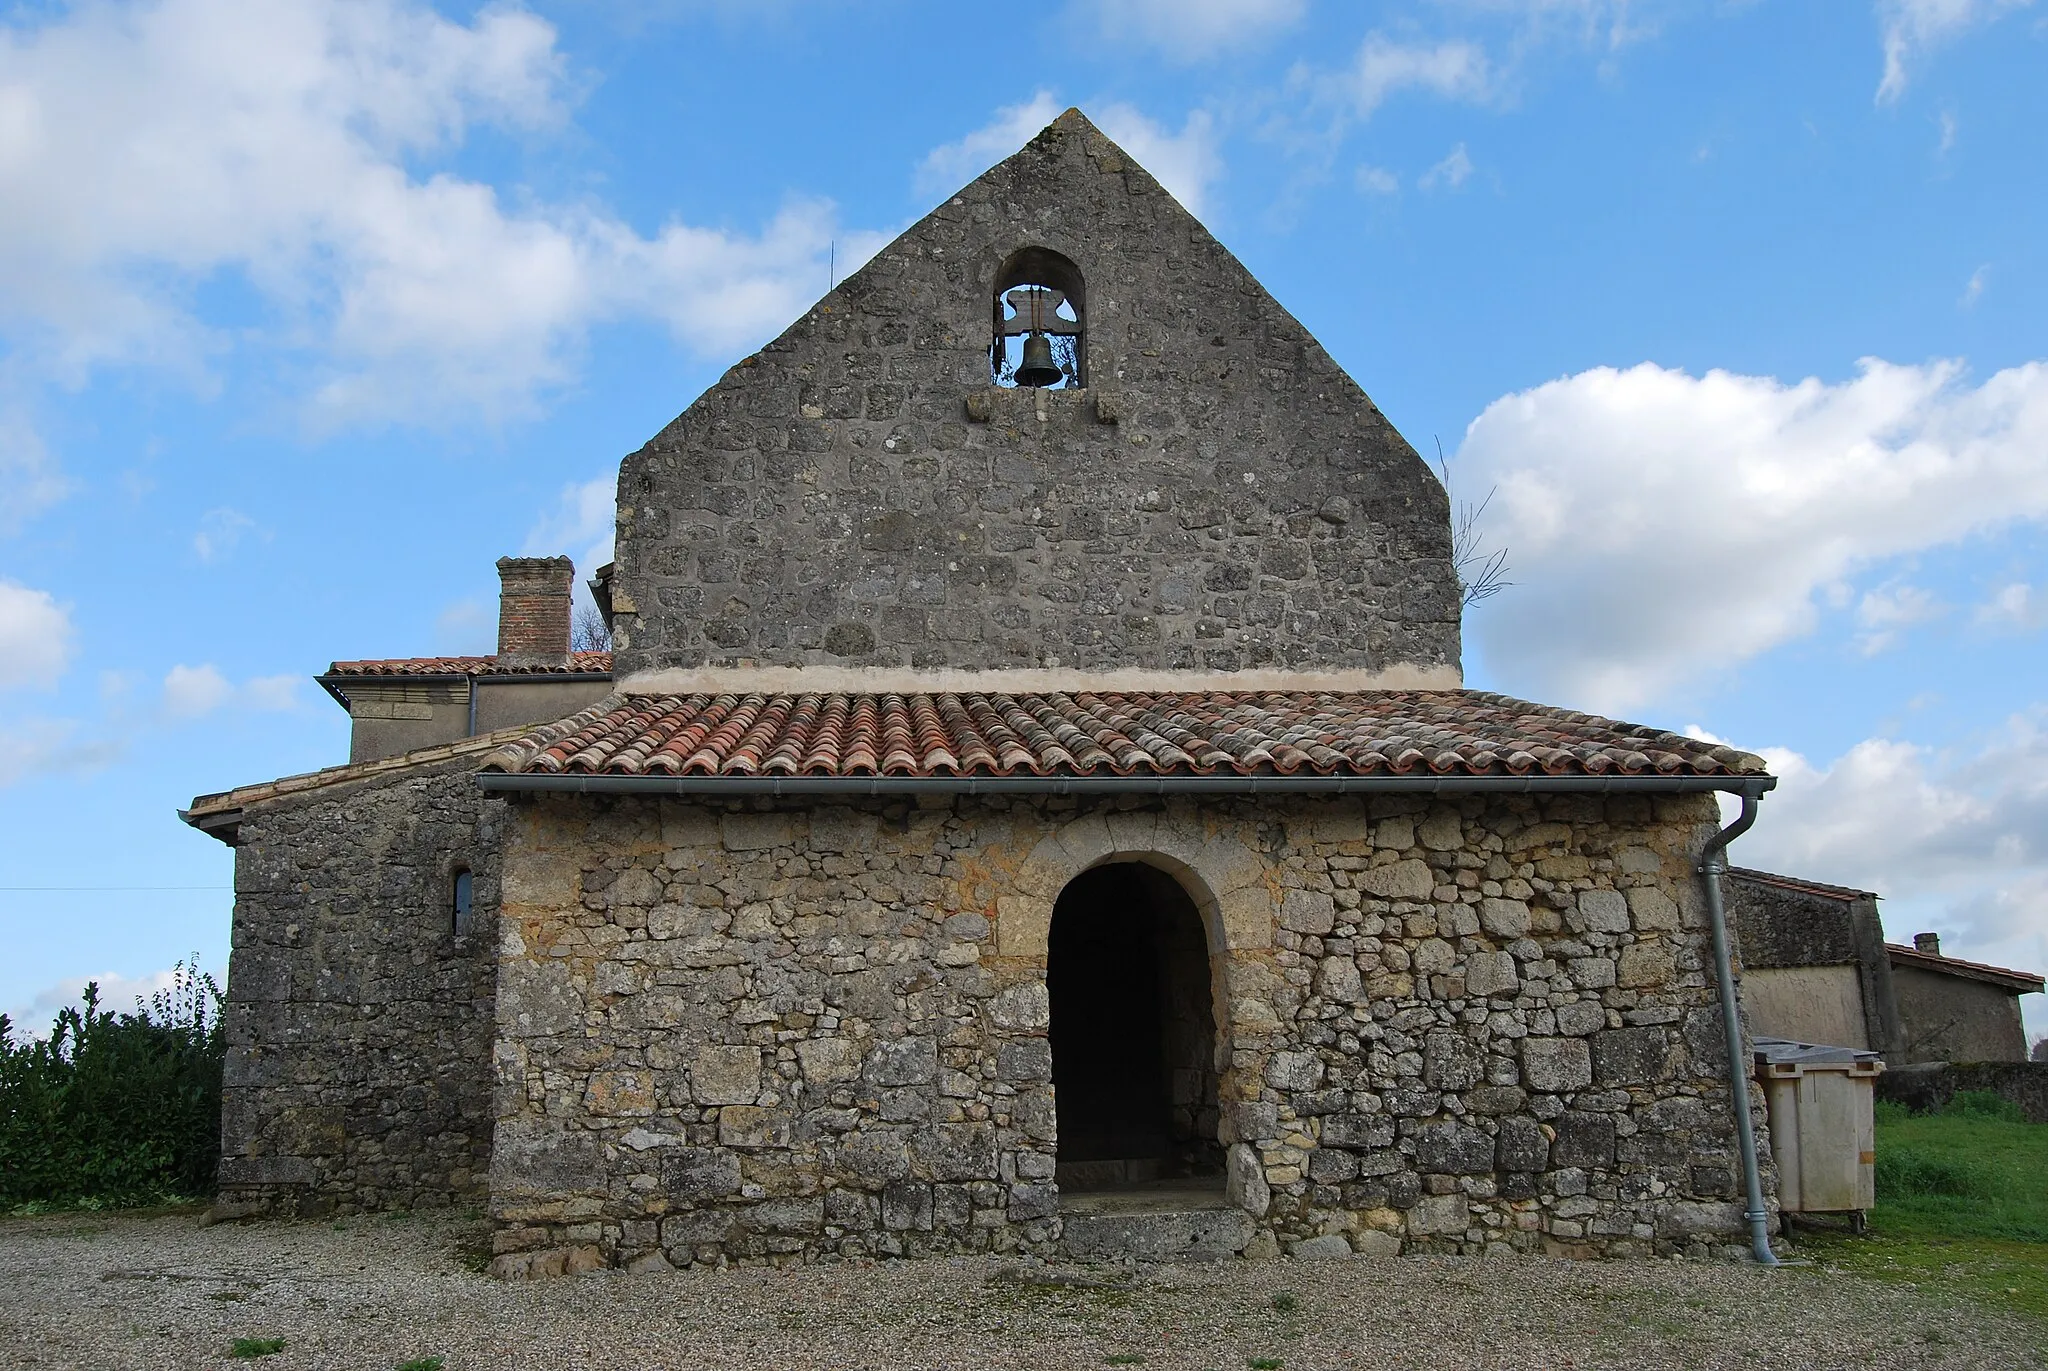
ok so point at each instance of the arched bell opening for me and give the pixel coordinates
(1040, 322)
(1134, 1043)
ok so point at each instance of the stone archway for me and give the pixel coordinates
(1135, 1049)
(1229, 881)
(1231, 884)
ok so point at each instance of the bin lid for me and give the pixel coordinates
(1785, 1052)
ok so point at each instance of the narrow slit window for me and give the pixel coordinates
(459, 899)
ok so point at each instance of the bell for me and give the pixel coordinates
(1037, 367)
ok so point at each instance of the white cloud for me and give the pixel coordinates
(1912, 26)
(1500, 42)
(1384, 68)
(1664, 527)
(950, 166)
(220, 532)
(1452, 172)
(2013, 608)
(1189, 29)
(1947, 122)
(273, 693)
(45, 747)
(582, 525)
(292, 146)
(117, 993)
(35, 637)
(1973, 290)
(1885, 613)
(1873, 818)
(29, 481)
(1185, 162)
(190, 691)
(1614, 23)
(1378, 181)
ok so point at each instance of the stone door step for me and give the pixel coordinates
(1154, 1235)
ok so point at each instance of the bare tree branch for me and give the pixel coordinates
(1481, 574)
(587, 631)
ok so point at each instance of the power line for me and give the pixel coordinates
(20, 888)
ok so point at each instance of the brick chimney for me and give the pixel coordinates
(1930, 943)
(533, 610)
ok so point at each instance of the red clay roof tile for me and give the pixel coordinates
(579, 662)
(1406, 732)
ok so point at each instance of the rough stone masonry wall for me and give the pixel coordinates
(1222, 496)
(803, 1033)
(359, 1024)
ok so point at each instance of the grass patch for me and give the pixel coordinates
(1285, 1302)
(159, 1202)
(1071, 1292)
(474, 1254)
(421, 1364)
(1968, 1173)
(256, 1347)
(1984, 1104)
(1962, 1206)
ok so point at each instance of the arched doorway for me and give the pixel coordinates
(1133, 1033)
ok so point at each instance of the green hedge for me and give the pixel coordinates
(113, 1108)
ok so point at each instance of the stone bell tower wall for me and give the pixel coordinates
(1220, 496)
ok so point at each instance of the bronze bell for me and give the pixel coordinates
(1037, 367)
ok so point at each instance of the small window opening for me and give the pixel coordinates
(1040, 334)
(463, 885)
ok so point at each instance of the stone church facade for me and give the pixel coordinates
(1034, 810)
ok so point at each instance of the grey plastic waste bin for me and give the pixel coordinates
(1821, 1130)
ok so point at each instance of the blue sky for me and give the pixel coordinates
(309, 311)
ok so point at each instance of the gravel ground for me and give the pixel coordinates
(158, 1290)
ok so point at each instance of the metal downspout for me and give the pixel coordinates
(1714, 861)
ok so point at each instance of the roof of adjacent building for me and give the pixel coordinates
(578, 663)
(219, 812)
(1838, 892)
(2019, 982)
(1083, 733)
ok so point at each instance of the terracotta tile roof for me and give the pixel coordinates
(1395, 733)
(219, 812)
(2020, 982)
(593, 662)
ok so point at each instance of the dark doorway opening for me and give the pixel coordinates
(1133, 1032)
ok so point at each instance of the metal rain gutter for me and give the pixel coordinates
(1713, 862)
(1748, 787)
